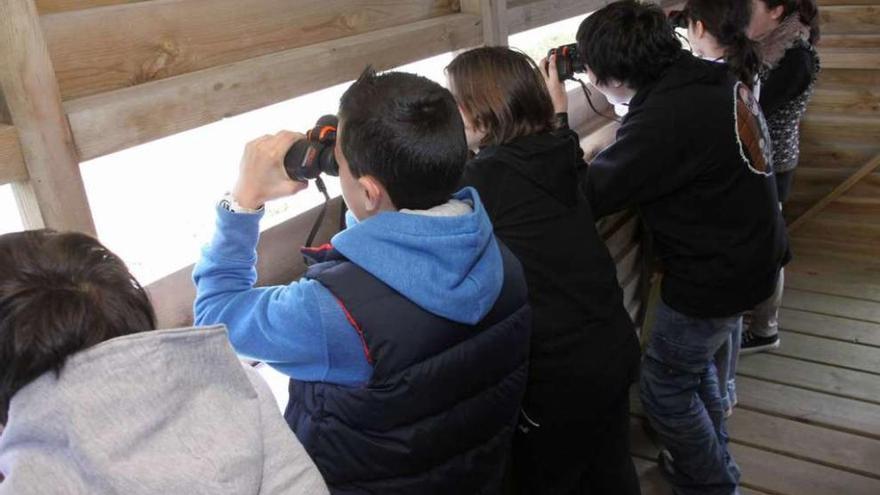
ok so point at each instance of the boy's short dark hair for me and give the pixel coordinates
(60, 293)
(406, 131)
(628, 41)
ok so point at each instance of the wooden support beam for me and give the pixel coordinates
(861, 173)
(127, 117)
(494, 15)
(5, 117)
(93, 53)
(12, 167)
(524, 15)
(31, 92)
(50, 6)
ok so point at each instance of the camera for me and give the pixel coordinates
(568, 61)
(310, 157)
(679, 19)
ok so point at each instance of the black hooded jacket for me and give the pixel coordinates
(583, 348)
(682, 157)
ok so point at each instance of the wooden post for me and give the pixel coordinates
(494, 14)
(30, 89)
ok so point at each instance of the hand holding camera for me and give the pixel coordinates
(555, 85)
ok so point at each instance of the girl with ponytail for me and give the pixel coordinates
(717, 30)
(786, 32)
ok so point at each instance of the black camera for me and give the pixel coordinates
(310, 157)
(679, 19)
(568, 61)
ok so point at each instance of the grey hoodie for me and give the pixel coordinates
(162, 412)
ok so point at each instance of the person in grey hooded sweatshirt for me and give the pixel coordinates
(95, 401)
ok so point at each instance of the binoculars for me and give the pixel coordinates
(310, 157)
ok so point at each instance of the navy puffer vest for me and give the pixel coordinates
(439, 411)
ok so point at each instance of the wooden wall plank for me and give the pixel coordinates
(523, 15)
(847, 78)
(113, 121)
(850, 58)
(852, 101)
(31, 93)
(12, 168)
(51, 6)
(828, 127)
(850, 19)
(279, 262)
(850, 40)
(105, 49)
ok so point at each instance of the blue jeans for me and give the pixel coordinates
(683, 396)
(726, 360)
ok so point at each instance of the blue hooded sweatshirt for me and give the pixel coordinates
(448, 265)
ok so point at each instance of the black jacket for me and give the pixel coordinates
(439, 411)
(584, 348)
(711, 206)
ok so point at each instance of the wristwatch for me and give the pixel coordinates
(229, 204)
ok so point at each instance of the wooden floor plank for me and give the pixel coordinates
(843, 451)
(829, 285)
(830, 352)
(775, 473)
(832, 305)
(809, 407)
(821, 378)
(653, 482)
(650, 479)
(832, 327)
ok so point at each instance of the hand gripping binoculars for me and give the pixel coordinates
(310, 157)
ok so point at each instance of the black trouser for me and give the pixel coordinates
(578, 457)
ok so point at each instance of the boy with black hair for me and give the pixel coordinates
(693, 154)
(407, 342)
(95, 401)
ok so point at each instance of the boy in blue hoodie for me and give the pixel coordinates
(406, 342)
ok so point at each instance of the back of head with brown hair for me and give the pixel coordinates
(502, 92)
(60, 293)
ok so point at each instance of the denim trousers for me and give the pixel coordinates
(684, 398)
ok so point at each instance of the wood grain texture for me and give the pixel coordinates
(123, 118)
(31, 93)
(99, 50)
(12, 168)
